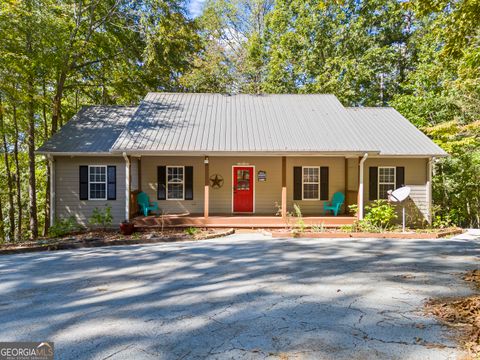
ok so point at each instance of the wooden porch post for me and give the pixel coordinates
(207, 188)
(284, 187)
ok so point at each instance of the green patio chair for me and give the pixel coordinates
(337, 202)
(145, 204)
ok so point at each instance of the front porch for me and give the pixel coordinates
(236, 221)
(272, 183)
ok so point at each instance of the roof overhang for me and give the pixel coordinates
(244, 153)
(348, 154)
(78, 153)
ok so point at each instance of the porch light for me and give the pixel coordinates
(205, 161)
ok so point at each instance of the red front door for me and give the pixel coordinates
(243, 188)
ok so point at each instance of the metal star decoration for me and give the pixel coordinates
(216, 181)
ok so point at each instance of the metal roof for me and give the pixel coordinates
(391, 133)
(176, 123)
(188, 122)
(94, 129)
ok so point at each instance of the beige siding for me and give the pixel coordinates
(336, 166)
(134, 170)
(149, 183)
(67, 202)
(267, 194)
(415, 177)
(353, 174)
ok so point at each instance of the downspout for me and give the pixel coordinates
(51, 165)
(360, 187)
(429, 189)
(127, 186)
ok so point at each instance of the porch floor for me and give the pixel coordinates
(235, 221)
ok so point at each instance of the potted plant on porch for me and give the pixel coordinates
(127, 227)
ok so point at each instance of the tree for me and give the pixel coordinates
(56, 56)
(357, 50)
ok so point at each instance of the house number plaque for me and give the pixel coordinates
(262, 176)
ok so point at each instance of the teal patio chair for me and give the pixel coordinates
(145, 204)
(336, 204)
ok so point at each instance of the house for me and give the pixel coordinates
(206, 155)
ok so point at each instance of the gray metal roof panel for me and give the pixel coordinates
(387, 130)
(225, 123)
(94, 129)
(186, 122)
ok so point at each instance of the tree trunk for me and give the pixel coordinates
(32, 184)
(2, 230)
(57, 101)
(17, 175)
(47, 186)
(11, 210)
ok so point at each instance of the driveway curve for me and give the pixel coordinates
(245, 296)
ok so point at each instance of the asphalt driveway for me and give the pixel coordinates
(243, 296)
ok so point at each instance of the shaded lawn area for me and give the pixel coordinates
(242, 296)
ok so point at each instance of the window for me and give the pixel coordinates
(97, 182)
(311, 183)
(386, 181)
(243, 180)
(175, 182)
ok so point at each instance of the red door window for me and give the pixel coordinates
(243, 189)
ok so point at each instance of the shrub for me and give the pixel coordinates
(348, 228)
(63, 227)
(192, 231)
(102, 218)
(318, 228)
(379, 216)
(442, 222)
(299, 223)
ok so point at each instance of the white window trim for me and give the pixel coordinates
(303, 182)
(386, 183)
(183, 183)
(98, 182)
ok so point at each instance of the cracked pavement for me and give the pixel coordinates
(245, 296)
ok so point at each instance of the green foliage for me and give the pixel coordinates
(441, 222)
(318, 228)
(192, 231)
(102, 218)
(349, 228)
(379, 216)
(422, 57)
(63, 227)
(299, 222)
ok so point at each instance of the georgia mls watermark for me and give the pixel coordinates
(26, 350)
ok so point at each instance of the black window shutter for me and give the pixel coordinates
(112, 182)
(373, 183)
(83, 177)
(161, 183)
(297, 183)
(400, 177)
(324, 183)
(188, 182)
